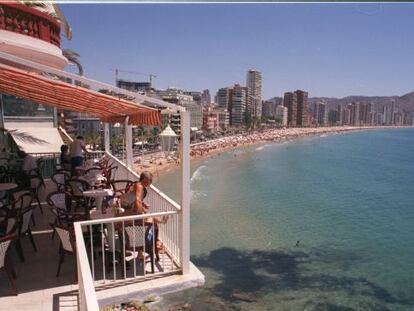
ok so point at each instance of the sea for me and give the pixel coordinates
(318, 223)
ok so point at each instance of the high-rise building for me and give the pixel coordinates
(339, 115)
(196, 95)
(281, 115)
(254, 93)
(354, 111)
(321, 113)
(392, 113)
(223, 98)
(179, 97)
(269, 109)
(141, 87)
(332, 117)
(346, 115)
(290, 101)
(364, 113)
(302, 108)
(205, 97)
(238, 105)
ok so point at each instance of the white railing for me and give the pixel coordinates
(158, 202)
(95, 154)
(116, 245)
(109, 249)
(87, 295)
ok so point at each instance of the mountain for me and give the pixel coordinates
(406, 102)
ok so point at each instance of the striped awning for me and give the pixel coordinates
(37, 88)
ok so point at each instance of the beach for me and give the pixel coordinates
(159, 163)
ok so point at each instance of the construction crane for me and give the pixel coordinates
(117, 71)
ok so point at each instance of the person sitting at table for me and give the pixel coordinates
(76, 148)
(133, 203)
(132, 200)
(64, 156)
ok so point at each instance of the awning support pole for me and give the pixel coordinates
(128, 143)
(107, 138)
(185, 192)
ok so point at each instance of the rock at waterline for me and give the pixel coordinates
(243, 297)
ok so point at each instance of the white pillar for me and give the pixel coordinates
(128, 143)
(185, 192)
(107, 138)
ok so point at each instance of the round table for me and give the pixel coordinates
(7, 186)
(98, 195)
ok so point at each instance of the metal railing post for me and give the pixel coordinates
(184, 224)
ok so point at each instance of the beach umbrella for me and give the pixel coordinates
(168, 138)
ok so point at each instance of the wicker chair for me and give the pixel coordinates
(24, 229)
(5, 263)
(141, 238)
(67, 246)
(60, 205)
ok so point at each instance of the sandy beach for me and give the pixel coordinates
(158, 163)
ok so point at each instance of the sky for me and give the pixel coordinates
(326, 49)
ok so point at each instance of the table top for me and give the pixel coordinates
(98, 193)
(7, 186)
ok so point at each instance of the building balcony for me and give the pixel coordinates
(108, 267)
(30, 34)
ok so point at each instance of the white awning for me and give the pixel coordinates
(37, 139)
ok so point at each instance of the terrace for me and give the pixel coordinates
(107, 270)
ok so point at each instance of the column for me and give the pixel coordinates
(128, 143)
(107, 138)
(185, 191)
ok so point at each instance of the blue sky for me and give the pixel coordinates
(325, 49)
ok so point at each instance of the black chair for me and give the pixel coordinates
(76, 187)
(59, 178)
(36, 182)
(121, 186)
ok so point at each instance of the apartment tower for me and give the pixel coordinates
(290, 101)
(254, 94)
(302, 108)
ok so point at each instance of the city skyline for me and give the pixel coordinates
(332, 50)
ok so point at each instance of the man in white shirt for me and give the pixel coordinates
(76, 155)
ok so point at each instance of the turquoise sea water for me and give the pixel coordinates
(349, 201)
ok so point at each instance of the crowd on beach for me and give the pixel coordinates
(161, 163)
(273, 135)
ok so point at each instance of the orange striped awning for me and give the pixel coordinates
(66, 96)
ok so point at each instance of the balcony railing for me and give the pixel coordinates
(102, 245)
(18, 18)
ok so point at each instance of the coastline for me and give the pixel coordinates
(159, 164)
